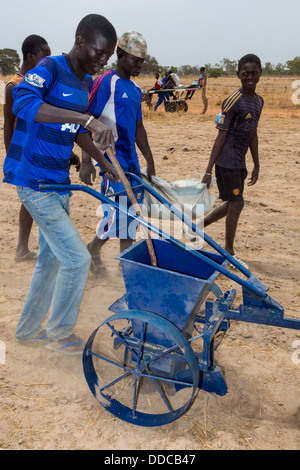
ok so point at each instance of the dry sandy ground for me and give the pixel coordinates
(45, 401)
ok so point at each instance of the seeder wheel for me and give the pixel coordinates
(137, 381)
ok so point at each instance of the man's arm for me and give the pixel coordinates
(143, 144)
(75, 161)
(255, 158)
(87, 172)
(9, 117)
(30, 106)
(86, 144)
(102, 135)
(216, 150)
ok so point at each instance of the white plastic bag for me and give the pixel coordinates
(190, 196)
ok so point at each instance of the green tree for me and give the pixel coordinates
(151, 66)
(214, 73)
(280, 69)
(268, 69)
(229, 67)
(189, 70)
(9, 61)
(293, 66)
(167, 68)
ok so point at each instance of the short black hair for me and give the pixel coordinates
(249, 58)
(202, 69)
(94, 24)
(32, 44)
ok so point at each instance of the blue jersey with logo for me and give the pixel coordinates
(39, 153)
(117, 102)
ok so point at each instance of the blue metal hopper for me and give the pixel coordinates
(174, 290)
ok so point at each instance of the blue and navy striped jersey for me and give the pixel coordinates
(39, 153)
(117, 103)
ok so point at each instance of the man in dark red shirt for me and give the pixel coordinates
(237, 125)
(34, 47)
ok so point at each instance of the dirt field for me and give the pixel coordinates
(45, 401)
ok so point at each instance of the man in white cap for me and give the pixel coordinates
(116, 101)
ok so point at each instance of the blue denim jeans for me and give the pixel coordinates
(62, 268)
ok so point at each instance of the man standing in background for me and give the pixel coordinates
(202, 86)
(34, 48)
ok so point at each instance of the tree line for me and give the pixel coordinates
(228, 67)
(224, 68)
(10, 61)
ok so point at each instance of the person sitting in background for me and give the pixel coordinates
(158, 83)
(164, 97)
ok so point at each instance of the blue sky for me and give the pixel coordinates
(178, 32)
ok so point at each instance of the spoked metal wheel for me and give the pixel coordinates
(171, 107)
(136, 380)
(182, 106)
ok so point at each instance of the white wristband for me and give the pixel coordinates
(89, 121)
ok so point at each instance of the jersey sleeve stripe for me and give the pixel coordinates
(231, 97)
(232, 100)
(96, 85)
(229, 100)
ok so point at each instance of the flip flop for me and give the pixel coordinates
(239, 261)
(40, 338)
(71, 346)
(30, 256)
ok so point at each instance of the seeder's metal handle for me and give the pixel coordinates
(134, 202)
(255, 287)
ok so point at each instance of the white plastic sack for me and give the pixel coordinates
(190, 196)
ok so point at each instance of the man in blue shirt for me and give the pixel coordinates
(50, 104)
(116, 100)
(163, 96)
